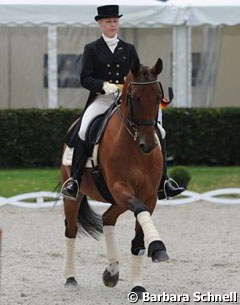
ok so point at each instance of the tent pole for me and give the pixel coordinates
(52, 67)
(182, 66)
(9, 46)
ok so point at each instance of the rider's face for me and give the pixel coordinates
(109, 26)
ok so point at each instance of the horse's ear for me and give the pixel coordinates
(157, 68)
(135, 67)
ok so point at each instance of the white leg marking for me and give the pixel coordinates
(136, 270)
(113, 254)
(149, 230)
(69, 262)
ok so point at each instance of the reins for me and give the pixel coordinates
(125, 120)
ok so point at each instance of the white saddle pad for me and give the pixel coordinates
(68, 155)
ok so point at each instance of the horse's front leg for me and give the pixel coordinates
(111, 273)
(156, 248)
(125, 197)
(71, 211)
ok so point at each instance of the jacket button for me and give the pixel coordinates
(117, 73)
(108, 65)
(109, 73)
(110, 81)
(117, 65)
(117, 81)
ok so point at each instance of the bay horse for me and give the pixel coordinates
(131, 162)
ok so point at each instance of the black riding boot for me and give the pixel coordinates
(168, 187)
(80, 155)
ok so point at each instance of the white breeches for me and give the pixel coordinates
(160, 116)
(101, 103)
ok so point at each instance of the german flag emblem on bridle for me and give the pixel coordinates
(165, 102)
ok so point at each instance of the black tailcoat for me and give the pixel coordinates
(99, 64)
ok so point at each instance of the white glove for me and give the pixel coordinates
(109, 88)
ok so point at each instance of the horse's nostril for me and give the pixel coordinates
(144, 148)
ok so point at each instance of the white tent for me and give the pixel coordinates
(211, 12)
(141, 13)
(196, 13)
(181, 15)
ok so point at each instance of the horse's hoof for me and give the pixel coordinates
(139, 291)
(110, 280)
(157, 251)
(71, 282)
(159, 256)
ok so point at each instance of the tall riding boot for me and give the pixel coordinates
(168, 187)
(80, 155)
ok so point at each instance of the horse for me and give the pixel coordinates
(131, 162)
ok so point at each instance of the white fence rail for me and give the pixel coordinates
(50, 199)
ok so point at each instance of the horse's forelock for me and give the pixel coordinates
(145, 74)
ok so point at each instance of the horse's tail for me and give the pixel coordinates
(89, 222)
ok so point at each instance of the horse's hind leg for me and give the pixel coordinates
(111, 273)
(136, 267)
(71, 212)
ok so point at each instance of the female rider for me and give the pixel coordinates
(105, 63)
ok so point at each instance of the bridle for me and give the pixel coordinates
(130, 102)
(132, 124)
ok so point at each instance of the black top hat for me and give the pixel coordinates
(107, 11)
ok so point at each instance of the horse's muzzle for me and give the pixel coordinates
(145, 148)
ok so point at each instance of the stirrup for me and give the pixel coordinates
(64, 184)
(164, 186)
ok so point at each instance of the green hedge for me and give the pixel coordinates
(30, 137)
(209, 136)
